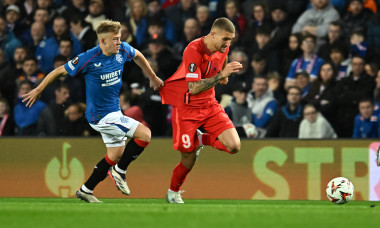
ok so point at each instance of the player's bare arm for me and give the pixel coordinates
(207, 83)
(154, 81)
(225, 80)
(33, 95)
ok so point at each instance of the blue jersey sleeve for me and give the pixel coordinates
(128, 50)
(268, 113)
(77, 64)
(292, 70)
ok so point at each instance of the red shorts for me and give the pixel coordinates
(186, 120)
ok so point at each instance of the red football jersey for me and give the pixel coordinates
(197, 63)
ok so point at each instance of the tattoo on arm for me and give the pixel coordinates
(204, 84)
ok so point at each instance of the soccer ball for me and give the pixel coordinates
(340, 190)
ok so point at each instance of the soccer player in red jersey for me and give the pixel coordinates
(191, 93)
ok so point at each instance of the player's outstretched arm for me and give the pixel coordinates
(154, 81)
(33, 95)
(208, 83)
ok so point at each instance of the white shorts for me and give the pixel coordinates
(115, 128)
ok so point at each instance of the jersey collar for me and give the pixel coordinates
(204, 47)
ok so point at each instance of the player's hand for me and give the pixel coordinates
(223, 81)
(156, 83)
(230, 68)
(30, 97)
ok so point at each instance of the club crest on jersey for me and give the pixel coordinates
(119, 58)
(192, 67)
(75, 60)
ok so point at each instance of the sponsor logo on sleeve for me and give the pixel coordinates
(75, 60)
(192, 67)
(191, 75)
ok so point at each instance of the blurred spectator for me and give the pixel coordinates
(334, 37)
(74, 7)
(366, 123)
(7, 125)
(75, 122)
(49, 6)
(49, 48)
(204, 19)
(282, 27)
(32, 37)
(293, 51)
(83, 31)
(26, 118)
(287, 120)
(179, 13)
(59, 106)
(309, 61)
(30, 71)
(238, 110)
(371, 69)
(322, 92)
(348, 93)
(262, 45)
(7, 81)
(275, 85)
(232, 12)
(373, 34)
(138, 19)
(192, 31)
(41, 15)
(66, 47)
(155, 28)
(358, 44)
(258, 67)
(356, 18)
(259, 18)
(18, 61)
(377, 88)
(167, 64)
(339, 58)
(302, 81)
(95, 15)
(14, 20)
(8, 41)
(155, 12)
(316, 20)
(126, 34)
(314, 125)
(261, 102)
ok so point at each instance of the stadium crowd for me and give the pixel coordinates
(310, 68)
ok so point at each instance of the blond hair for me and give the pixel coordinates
(224, 24)
(143, 5)
(108, 26)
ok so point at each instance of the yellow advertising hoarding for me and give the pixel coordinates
(263, 169)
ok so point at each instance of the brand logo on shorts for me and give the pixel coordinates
(192, 67)
(119, 58)
(124, 119)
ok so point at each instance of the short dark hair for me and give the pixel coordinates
(366, 99)
(31, 57)
(66, 38)
(224, 24)
(294, 87)
(60, 58)
(258, 57)
(337, 23)
(311, 36)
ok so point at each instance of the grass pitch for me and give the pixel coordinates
(69, 213)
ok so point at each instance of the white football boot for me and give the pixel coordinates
(120, 183)
(174, 197)
(89, 198)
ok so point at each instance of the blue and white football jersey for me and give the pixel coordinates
(103, 76)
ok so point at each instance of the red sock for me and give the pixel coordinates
(206, 140)
(179, 175)
(218, 145)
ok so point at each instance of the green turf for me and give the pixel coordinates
(115, 213)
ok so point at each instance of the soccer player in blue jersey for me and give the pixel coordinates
(102, 68)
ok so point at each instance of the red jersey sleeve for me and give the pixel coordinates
(192, 61)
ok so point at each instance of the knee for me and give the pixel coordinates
(234, 147)
(144, 134)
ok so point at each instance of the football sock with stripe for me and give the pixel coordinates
(98, 175)
(132, 150)
(206, 140)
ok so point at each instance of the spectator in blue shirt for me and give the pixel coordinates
(309, 61)
(367, 121)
